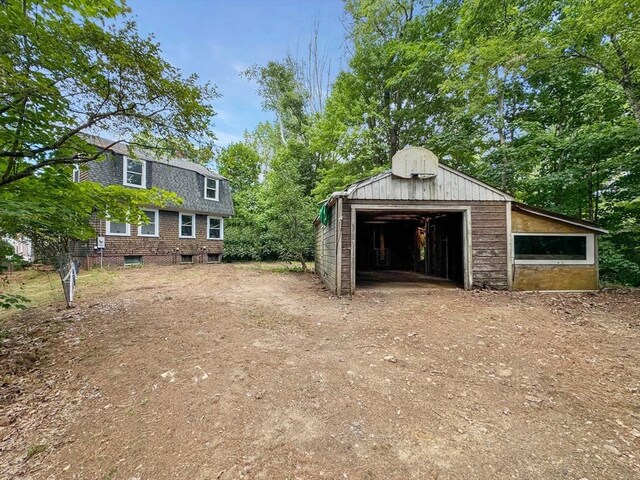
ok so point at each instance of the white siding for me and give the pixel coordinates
(447, 185)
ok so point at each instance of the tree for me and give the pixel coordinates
(70, 67)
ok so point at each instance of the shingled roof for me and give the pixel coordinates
(123, 148)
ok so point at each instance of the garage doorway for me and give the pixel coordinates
(409, 247)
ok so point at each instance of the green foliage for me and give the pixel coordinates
(241, 164)
(10, 300)
(540, 99)
(70, 68)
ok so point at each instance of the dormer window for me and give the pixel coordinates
(135, 172)
(211, 187)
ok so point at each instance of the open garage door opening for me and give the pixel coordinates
(410, 247)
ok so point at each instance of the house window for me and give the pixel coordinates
(187, 225)
(214, 228)
(133, 260)
(186, 258)
(211, 188)
(564, 248)
(118, 228)
(214, 257)
(149, 229)
(135, 172)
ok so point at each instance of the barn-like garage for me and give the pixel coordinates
(423, 222)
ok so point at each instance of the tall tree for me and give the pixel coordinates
(70, 67)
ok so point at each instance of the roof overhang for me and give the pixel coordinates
(557, 217)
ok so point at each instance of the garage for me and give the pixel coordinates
(426, 224)
(425, 247)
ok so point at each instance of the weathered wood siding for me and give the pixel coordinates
(489, 245)
(488, 239)
(551, 277)
(325, 254)
(345, 284)
(447, 185)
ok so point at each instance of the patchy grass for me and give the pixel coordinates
(275, 267)
(45, 288)
(34, 450)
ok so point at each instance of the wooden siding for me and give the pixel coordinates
(448, 185)
(488, 240)
(522, 222)
(555, 277)
(551, 277)
(345, 284)
(325, 254)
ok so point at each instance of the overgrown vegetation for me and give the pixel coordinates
(538, 98)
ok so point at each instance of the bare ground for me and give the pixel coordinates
(226, 372)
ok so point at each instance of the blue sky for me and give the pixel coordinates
(217, 39)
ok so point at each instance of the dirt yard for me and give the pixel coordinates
(228, 372)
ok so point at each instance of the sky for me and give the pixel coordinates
(218, 39)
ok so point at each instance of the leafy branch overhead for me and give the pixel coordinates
(71, 67)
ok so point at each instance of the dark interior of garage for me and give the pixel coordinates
(420, 247)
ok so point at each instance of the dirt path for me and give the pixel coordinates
(229, 372)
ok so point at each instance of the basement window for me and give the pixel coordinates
(554, 249)
(186, 258)
(214, 257)
(132, 260)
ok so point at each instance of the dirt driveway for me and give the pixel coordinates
(225, 372)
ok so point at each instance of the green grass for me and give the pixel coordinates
(45, 288)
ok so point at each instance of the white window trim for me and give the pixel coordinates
(221, 228)
(125, 160)
(590, 249)
(76, 173)
(193, 215)
(127, 234)
(217, 188)
(156, 223)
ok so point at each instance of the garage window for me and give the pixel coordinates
(536, 248)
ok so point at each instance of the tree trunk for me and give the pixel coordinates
(305, 269)
(626, 80)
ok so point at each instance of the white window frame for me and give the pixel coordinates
(221, 228)
(76, 173)
(206, 179)
(125, 161)
(127, 234)
(156, 223)
(590, 260)
(193, 216)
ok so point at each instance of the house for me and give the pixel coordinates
(425, 222)
(21, 246)
(190, 233)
